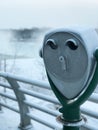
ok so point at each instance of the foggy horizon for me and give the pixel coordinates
(27, 14)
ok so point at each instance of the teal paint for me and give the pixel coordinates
(71, 108)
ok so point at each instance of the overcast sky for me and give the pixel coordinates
(48, 13)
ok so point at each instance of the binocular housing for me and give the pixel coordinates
(69, 60)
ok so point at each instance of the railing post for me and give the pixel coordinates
(25, 123)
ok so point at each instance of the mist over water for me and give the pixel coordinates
(5, 46)
(10, 46)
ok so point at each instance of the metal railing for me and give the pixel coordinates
(24, 104)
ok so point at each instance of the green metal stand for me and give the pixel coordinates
(71, 108)
(70, 128)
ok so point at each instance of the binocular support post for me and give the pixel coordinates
(71, 116)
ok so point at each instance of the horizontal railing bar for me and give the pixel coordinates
(43, 109)
(40, 96)
(48, 98)
(5, 85)
(8, 96)
(94, 98)
(41, 121)
(83, 110)
(90, 127)
(44, 122)
(9, 107)
(26, 80)
(89, 112)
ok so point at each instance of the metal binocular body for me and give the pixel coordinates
(69, 60)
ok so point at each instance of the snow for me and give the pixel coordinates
(9, 120)
(33, 68)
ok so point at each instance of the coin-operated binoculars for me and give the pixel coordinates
(71, 58)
